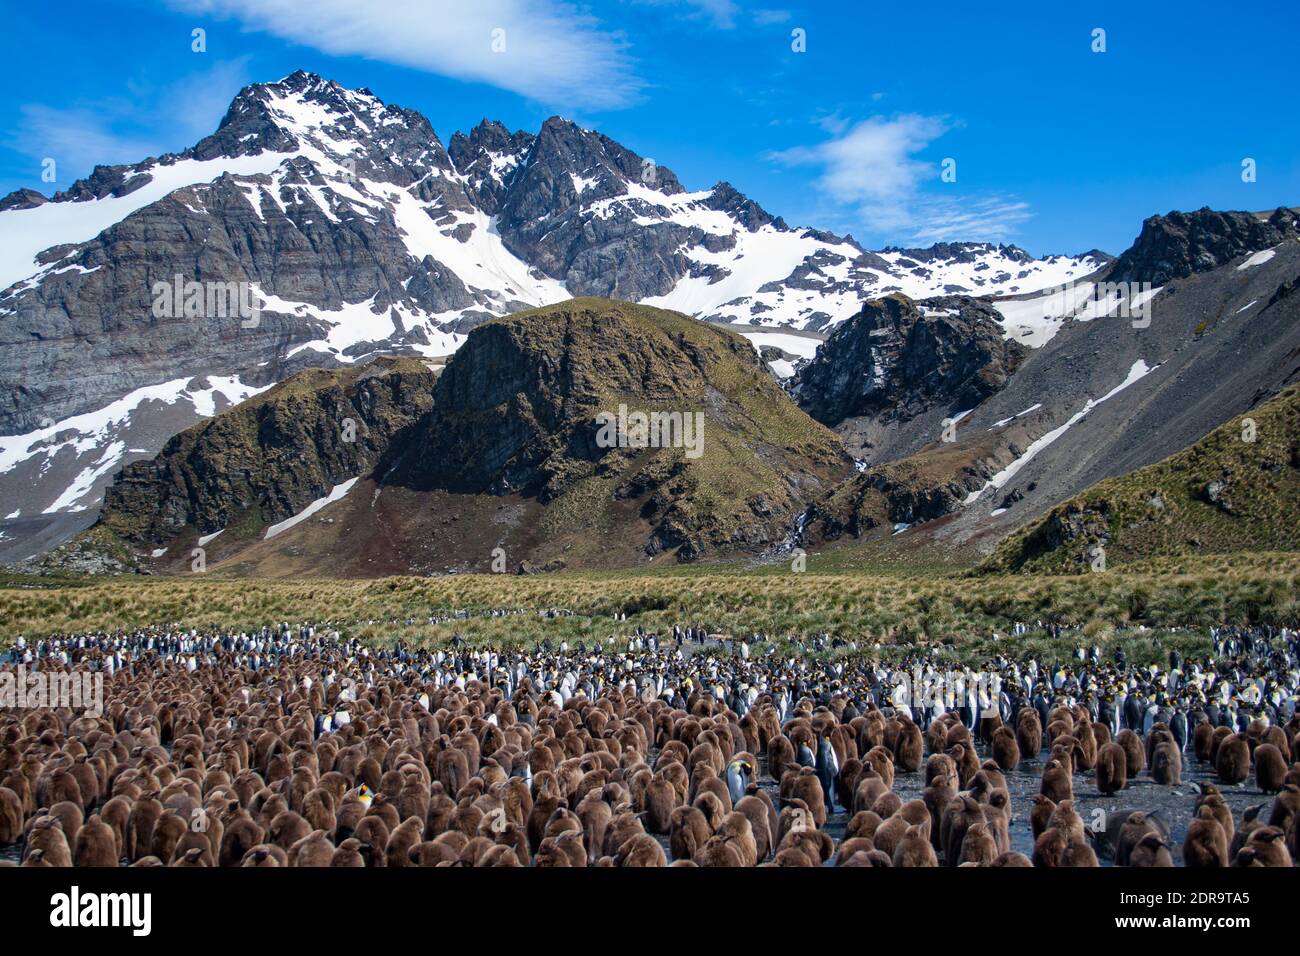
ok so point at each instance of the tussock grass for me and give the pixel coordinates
(897, 606)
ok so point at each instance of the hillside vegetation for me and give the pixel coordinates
(1235, 490)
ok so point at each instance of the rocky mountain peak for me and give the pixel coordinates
(898, 358)
(1179, 244)
(727, 198)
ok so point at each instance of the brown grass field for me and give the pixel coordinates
(887, 606)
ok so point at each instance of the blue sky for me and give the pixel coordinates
(1057, 148)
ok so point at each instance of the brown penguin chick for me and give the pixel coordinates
(193, 840)
(12, 817)
(1066, 819)
(717, 852)
(264, 855)
(1012, 858)
(348, 854)
(1049, 848)
(167, 832)
(321, 810)
(1085, 747)
(313, 850)
(1210, 797)
(239, 836)
(936, 736)
(195, 856)
(1056, 784)
(815, 845)
(96, 844)
(1277, 736)
(909, 749)
(1151, 851)
(1112, 769)
(963, 812)
(1266, 847)
(846, 783)
(845, 851)
(1206, 845)
(1136, 826)
(1220, 735)
(939, 766)
(287, 828)
(1270, 768)
(117, 814)
(1167, 764)
(1203, 741)
(1232, 761)
(780, 756)
(688, 832)
(880, 760)
(1029, 734)
(1134, 753)
(1006, 750)
(802, 785)
(45, 833)
(914, 849)
(997, 815)
(886, 805)
(1079, 854)
(863, 824)
(967, 762)
(889, 834)
(660, 801)
(978, 846)
(596, 816)
(70, 818)
(373, 832)
(760, 821)
(1286, 807)
(642, 851)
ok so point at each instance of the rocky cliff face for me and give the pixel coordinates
(510, 447)
(518, 411)
(268, 458)
(896, 359)
(1179, 244)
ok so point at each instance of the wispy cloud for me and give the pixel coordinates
(145, 120)
(547, 50)
(720, 13)
(872, 169)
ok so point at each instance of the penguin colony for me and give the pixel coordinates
(290, 748)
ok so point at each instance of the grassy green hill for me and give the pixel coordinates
(1235, 490)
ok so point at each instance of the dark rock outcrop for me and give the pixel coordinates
(271, 456)
(896, 359)
(1179, 244)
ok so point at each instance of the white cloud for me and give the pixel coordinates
(148, 121)
(553, 52)
(992, 218)
(871, 161)
(871, 167)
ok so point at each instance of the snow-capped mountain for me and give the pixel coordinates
(350, 230)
